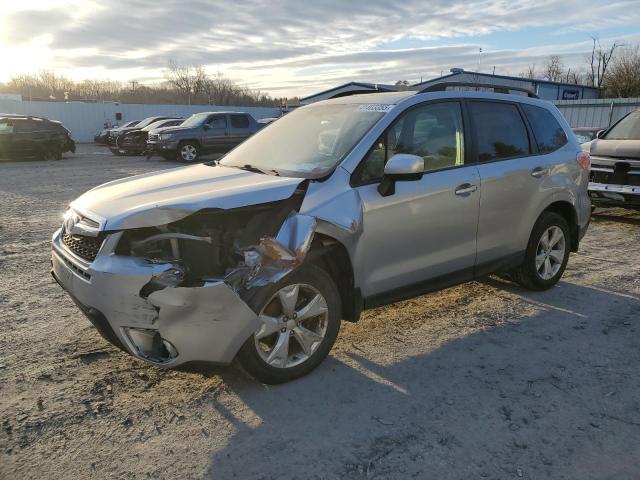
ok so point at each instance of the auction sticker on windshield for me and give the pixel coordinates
(375, 107)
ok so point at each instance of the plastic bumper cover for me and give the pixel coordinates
(171, 326)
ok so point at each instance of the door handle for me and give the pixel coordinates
(465, 189)
(539, 172)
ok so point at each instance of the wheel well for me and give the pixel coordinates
(568, 212)
(332, 256)
(194, 141)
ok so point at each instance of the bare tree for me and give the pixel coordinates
(530, 72)
(574, 76)
(599, 61)
(183, 78)
(554, 69)
(403, 84)
(623, 78)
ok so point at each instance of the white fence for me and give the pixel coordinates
(598, 112)
(84, 120)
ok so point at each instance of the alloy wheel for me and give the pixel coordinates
(188, 153)
(550, 252)
(293, 324)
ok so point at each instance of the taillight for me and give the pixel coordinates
(584, 160)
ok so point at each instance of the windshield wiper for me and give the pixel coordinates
(254, 169)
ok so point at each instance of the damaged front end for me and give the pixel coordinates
(177, 293)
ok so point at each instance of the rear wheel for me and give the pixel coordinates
(188, 152)
(299, 322)
(547, 253)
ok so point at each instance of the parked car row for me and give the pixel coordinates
(102, 136)
(180, 139)
(133, 140)
(23, 136)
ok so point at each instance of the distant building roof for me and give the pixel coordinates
(349, 88)
(459, 71)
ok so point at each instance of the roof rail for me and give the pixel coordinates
(442, 86)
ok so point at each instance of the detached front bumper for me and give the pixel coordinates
(168, 327)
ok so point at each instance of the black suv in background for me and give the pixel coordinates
(26, 136)
(112, 139)
(202, 133)
(134, 141)
(102, 137)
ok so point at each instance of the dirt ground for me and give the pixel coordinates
(484, 380)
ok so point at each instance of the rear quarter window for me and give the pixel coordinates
(547, 131)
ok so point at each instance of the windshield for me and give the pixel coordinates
(308, 142)
(195, 120)
(131, 124)
(626, 129)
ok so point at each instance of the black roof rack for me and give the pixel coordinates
(442, 86)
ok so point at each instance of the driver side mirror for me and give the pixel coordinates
(206, 126)
(400, 167)
(599, 134)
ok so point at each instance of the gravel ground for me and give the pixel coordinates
(483, 380)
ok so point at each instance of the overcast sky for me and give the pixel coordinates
(294, 47)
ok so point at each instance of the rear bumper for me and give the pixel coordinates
(168, 327)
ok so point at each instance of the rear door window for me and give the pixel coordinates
(500, 131)
(549, 134)
(239, 121)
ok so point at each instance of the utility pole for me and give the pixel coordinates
(479, 54)
(134, 84)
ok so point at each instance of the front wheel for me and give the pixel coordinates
(299, 322)
(188, 152)
(547, 253)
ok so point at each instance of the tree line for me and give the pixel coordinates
(615, 70)
(182, 85)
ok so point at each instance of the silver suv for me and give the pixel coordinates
(339, 206)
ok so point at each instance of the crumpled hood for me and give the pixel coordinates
(616, 148)
(159, 198)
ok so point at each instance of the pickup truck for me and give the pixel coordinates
(202, 133)
(615, 164)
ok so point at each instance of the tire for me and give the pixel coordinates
(188, 152)
(259, 354)
(534, 274)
